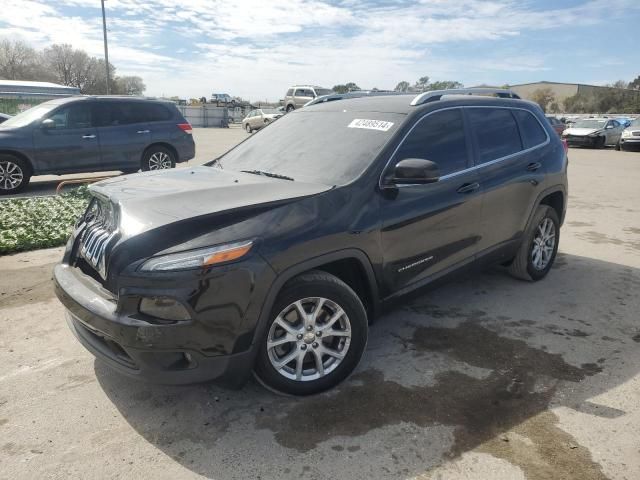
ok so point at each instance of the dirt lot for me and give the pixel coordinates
(484, 378)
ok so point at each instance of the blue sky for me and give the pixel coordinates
(257, 48)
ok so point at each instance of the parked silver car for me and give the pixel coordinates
(260, 117)
(298, 95)
(594, 132)
(630, 139)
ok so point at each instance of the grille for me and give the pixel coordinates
(636, 134)
(97, 233)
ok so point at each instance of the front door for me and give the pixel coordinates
(427, 229)
(71, 144)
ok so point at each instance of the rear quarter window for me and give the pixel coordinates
(496, 133)
(530, 129)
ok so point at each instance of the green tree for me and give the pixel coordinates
(402, 86)
(635, 84)
(444, 85)
(422, 84)
(347, 87)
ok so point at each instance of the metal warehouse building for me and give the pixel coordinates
(563, 91)
(17, 96)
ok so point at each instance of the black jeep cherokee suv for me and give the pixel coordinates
(275, 257)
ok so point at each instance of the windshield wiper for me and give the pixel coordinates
(267, 174)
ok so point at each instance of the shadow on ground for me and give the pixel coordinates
(474, 365)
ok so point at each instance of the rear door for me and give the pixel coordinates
(124, 133)
(427, 229)
(72, 145)
(510, 167)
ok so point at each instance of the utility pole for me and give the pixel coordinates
(106, 49)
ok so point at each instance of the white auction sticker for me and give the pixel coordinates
(370, 124)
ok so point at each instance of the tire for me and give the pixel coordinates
(600, 143)
(248, 128)
(618, 146)
(158, 157)
(15, 175)
(290, 108)
(524, 264)
(303, 346)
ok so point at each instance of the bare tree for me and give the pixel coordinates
(543, 97)
(129, 85)
(18, 61)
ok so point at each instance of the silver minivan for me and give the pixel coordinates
(298, 95)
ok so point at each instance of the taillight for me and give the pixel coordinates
(186, 128)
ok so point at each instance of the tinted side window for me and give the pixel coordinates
(73, 116)
(496, 133)
(530, 129)
(289, 92)
(440, 138)
(154, 112)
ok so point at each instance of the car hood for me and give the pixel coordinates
(581, 131)
(153, 199)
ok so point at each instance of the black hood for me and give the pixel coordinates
(153, 199)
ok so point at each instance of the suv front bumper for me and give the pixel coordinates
(158, 353)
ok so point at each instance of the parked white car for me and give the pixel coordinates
(594, 132)
(630, 139)
(260, 117)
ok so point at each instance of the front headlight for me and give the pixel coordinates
(202, 257)
(626, 133)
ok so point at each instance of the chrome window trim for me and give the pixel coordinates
(474, 167)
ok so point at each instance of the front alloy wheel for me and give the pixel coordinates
(309, 339)
(315, 338)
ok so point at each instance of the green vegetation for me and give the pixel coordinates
(39, 222)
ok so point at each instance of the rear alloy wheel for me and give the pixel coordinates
(290, 108)
(158, 158)
(247, 127)
(316, 337)
(539, 246)
(14, 175)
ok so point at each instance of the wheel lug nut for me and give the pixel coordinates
(303, 347)
(315, 344)
(299, 336)
(309, 327)
(318, 333)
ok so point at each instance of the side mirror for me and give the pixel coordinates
(415, 170)
(48, 124)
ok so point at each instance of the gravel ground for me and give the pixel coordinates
(484, 378)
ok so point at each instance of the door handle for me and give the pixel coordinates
(468, 187)
(532, 167)
(143, 131)
(88, 136)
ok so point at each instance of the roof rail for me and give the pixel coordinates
(435, 95)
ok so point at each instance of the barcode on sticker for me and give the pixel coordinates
(371, 124)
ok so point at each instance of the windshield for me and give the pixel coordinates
(591, 123)
(323, 91)
(28, 116)
(270, 111)
(331, 148)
